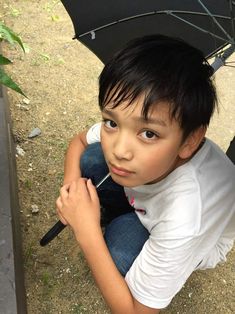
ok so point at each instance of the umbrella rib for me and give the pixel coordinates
(169, 12)
(197, 27)
(215, 20)
(232, 17)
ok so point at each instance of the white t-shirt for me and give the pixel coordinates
(190, 216)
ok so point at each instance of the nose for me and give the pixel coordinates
(122, 147)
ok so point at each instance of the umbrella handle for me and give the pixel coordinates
(59, 226)
(52, 233)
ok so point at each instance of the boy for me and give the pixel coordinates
(156, 99)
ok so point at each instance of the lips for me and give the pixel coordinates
(120, 171)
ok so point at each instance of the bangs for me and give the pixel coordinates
(123, 93)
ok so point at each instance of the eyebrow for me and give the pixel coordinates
(141, 119)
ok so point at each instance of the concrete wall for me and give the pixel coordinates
(12, 290)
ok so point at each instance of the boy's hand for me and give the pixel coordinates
(78, 205)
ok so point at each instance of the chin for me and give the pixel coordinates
(124, 181)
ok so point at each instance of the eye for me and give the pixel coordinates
(149, 135)
(109, 123)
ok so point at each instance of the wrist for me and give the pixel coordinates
(69, 180)
(89, 239)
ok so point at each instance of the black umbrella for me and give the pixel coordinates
(105, 26)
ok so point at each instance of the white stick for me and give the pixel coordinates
(106, 177)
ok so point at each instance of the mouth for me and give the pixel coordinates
(120, 171)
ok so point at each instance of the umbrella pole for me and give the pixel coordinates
(220, 60)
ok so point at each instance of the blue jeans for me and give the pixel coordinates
(124, 233)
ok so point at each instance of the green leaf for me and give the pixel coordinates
(7, 81)
(7, 34)
(4, 60)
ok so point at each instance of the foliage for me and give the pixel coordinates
(6, 34)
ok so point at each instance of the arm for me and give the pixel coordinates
(110, 282)
(79, 207)
(72, 158)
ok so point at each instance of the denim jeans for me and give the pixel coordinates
(124, 233)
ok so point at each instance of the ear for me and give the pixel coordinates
(192, 143)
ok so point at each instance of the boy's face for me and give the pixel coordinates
(139, 151)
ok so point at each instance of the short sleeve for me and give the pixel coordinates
(93, 134)
(161, 269)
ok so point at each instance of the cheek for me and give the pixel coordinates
(105, 144)
(159, 160)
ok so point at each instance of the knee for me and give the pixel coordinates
(116, 244)
(90, 155)
(120, 259)
(92, 160)
(125, 237)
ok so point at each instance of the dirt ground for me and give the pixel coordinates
(59, 76)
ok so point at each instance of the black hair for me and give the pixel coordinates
(162, 69)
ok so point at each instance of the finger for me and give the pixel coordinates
(82, 188)
(64, 192)
(92, 191)
(75, 185)
(66, 186)
(59, 206)
(59, 203)
(61, 218)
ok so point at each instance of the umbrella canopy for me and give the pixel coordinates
(105, 26)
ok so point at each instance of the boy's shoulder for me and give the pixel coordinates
(213, 161)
